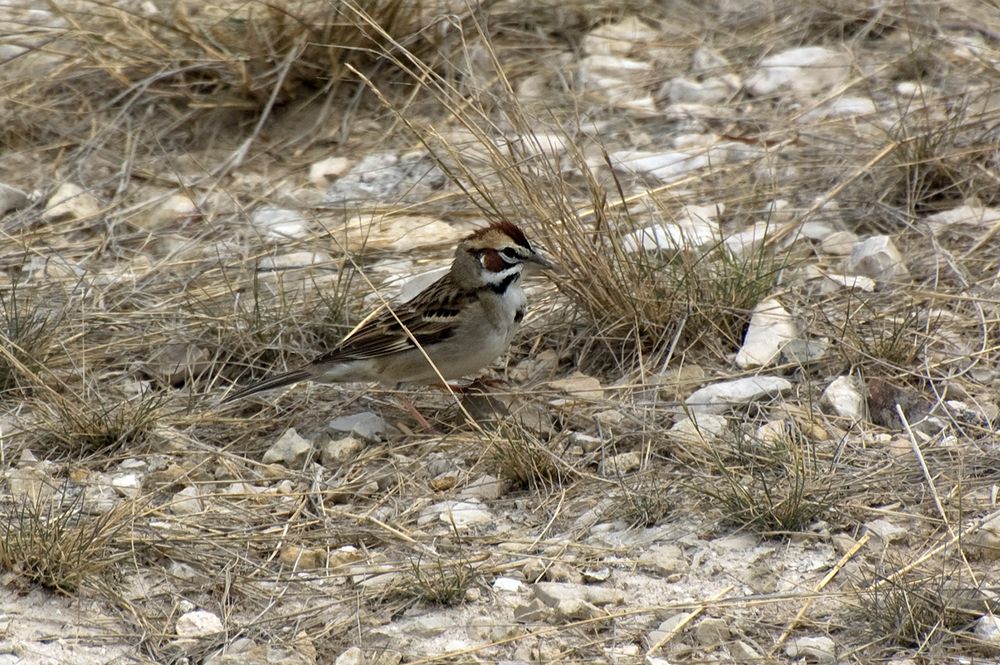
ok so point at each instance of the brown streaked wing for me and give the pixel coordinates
(430, 317)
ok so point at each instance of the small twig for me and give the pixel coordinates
(687, 619)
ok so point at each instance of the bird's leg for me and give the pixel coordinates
(408, 406)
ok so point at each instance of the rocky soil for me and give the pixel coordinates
(753, 418)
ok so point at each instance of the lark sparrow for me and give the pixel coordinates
(462, 322)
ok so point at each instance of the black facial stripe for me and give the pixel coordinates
(501, 287)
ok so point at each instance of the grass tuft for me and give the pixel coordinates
(96, 424)
(440, 582)
(52, 539)
(770, 482)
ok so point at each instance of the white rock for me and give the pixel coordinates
(813, 649)
(127, 484)
(664, 559)
(71, 201)
(340, 450)
(554, 593)
(804, 71)
(966, 215)
(718, 397)
(485, 487)
(859, 282)
(325, 170)
(750, 239)
(682, 90)
(839, 243)
(694, 227)
(175, 208)
(771, 327)
(616, 465)
(507, 585)
(11, 198)
(367, 425)
(462, 514)
(699, 427)
(198, 624)
(619, 37)
(878, 258)
(186, 502)
(290, 449)
(842, 107)
(580, 387)
(887, 531)
(293, 260)
(988, 630)
(668, 165)
(621, 82)
(352, 656)
(279, 223)
(843, 396)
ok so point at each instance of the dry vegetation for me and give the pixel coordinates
(126, 318)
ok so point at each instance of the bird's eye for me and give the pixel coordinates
(510, 254)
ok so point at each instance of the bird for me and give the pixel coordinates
(456, 326)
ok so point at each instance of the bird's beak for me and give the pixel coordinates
(541, 261)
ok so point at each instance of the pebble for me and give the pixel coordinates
(986, 539)
(381, 176)
(805, 351)
(198, 624)
(681, 90)
(290, 449)
(712, 631)
(664, 559)
(804, 71)
(987, 631)
(878, 258)
(11, 198)
(579, 386)
(839, 243)
(813, 649)
(699, 428)
(279, 223)
(668, 165)
(771, 327)
(507, 585)
(352, 656)
(553, 593)
(186, 502)
(696, 227)
(616, 465)
(718, 397)
(887, 531)
(845, 399)
(302, 558)
(127, 484)
(461, 514)
(620, 81)
(970, 214)
(666, 628)
(366, 425)
(71, 201)
(842, 107)
(339, 451)
(619, 37)
(325, 170)
(174, 208)
(484, 487)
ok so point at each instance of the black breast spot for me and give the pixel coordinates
(518, 316)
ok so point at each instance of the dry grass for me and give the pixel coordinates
(55, 539)
(122, 327)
